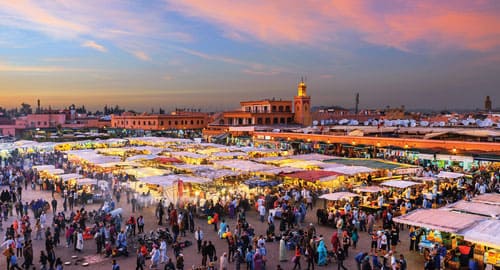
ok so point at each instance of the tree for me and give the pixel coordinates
(25, 109)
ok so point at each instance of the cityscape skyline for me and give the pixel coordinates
(210, 55)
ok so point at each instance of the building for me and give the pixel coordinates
(176, 120)
(302, 106)
(487, 104)
(261, 112)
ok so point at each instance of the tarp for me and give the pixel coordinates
(370, 163)
(439, 219)
(43, 167)
(69, 176)
(399, 183)
(484, 233)
(145, 172)
(311, 176)
(488, 198)
(350, 170)
(54, 171)
(370, 189)
(243, 165)
(452, 175)
(479, 208)
(338, 196)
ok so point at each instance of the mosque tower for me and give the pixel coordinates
(302, 106)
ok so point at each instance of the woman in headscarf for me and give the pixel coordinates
(322, 253)
(282, 250)
(155, 257)
(258, 261)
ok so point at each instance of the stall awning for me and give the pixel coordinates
(488, 198)
(484, 233)
(399, 183)
(370, 189)
(451, 175)
(69, 176)
(311, 176)
(350, 170)
(43, 167)
(338, 196)
(439, 219)
(479, 208)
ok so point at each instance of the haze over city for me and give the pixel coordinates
(212, 54)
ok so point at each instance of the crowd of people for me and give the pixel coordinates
(247, 246)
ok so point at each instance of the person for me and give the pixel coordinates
(198, 235)
(340, 258)
(282, 250)
(59, 264)
(140, 224)
(402, 262)
(115, 265)
(170, 265)
(413, 239)
(180, 262)
(346, 242)
(79, 241)
(322, 253)
(258, 260)
(163, 251)
(359, 259)
(223, 261)
(249, 259)
(43, 260)
(155, 257)
(13, 262)
(310, 257)
(140, 261)
(296, 258)
(354, 238)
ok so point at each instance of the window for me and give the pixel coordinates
(169, 122)
(144, 123)
(192, 122)
(268, 121)
(161, 123)
(282, 120)
(280, 108)
(275, 120)
(249, 121)
(198, 122)
(175, 122)
(287, 108)
(259, 121)
(273, 108)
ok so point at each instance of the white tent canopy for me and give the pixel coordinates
(43, 167)
(338, 196)
(370, 189)
(54, 171)
(350, 170)
(399, 184)
(141, 157)
(69, 176)
(145, 172)
(488, 198)
(243, 165)
(439, 219)
(485, 233)
(476, 208)
(452, 175)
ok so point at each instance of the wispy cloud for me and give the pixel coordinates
(142, 55)
(7, 67)
(249, 67)
(128, 25)
(405, 25)
(93, 45)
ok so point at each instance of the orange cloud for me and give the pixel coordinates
(473, 25)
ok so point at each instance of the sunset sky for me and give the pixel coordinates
(211, 54)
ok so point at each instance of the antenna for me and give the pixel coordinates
(357, 102)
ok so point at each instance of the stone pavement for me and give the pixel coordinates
(415, 260)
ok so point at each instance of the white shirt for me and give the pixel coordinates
(198, 235)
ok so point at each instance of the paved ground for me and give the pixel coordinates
(415, 261)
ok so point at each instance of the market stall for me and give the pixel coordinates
(485, 235)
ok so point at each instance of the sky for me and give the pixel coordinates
(143, 55)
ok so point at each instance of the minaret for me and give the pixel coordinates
(487, 104)
(302, 106)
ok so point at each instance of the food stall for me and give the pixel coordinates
(334, 199)
(486, 237)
